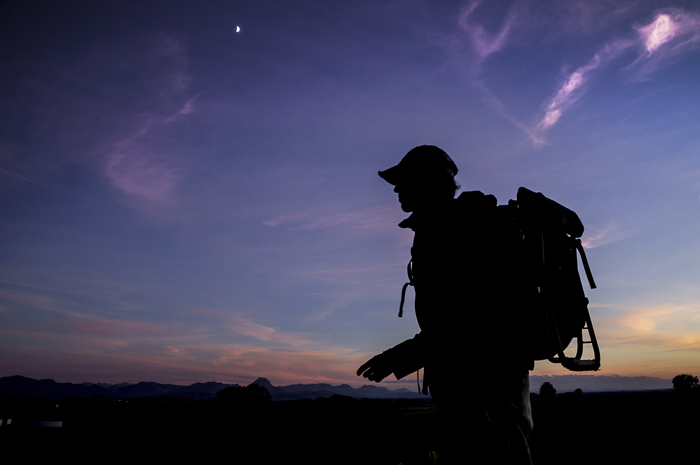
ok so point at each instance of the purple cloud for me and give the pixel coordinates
(671, 34)
(171, 53)
(11, 174)
(484, 43)
(243, 326)
(607, 234)
(141, 165)
(659, 32)
(140, 173)
(573, 86)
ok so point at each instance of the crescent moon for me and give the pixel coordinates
(238, 29)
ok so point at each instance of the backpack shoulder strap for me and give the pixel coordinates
(409, 272)
(584, 262)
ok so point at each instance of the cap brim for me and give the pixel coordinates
(391, 175)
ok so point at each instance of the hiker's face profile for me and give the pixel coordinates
(410, 196)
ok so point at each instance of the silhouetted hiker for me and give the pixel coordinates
(479, 385)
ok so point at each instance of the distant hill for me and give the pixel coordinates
(313, 391)
(20, 386)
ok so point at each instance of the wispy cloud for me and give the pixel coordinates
(585, 16)
(668, 36)
(186, 109)
(607, 234)
(102, 328)
(669, 326)
(574, 84)
(64, 320)
(491, 100)
(114, 358)
(171, 53)
(141, 164)
(219, 345)
(660, 340)
(485, 44)
(14, 175)
(24, 298)
(243, 326)
(647, 319)
(671, 34)
(657, 33)
(140, 172)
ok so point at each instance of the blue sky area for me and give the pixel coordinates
(190, 190)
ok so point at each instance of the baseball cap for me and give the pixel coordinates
(419, 161)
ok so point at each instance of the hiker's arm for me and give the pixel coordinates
(401, 360)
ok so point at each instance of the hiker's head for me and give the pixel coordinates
(425, 175)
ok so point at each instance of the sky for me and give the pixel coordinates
(189, 190)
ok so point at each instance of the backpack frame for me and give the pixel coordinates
(556, 308)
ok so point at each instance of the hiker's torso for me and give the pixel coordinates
(461, 301)
(452, 266)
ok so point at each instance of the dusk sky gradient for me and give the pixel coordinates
(182, 202)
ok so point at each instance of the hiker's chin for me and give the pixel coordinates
(408, 208)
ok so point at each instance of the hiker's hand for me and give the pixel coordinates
(376, 368)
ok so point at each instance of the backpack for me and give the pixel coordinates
(535, 241)
(539, 239)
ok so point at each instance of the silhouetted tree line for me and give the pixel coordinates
(643, 427)
(252, 395)
(547, 391)
(686, 383)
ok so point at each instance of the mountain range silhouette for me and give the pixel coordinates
(20, 386)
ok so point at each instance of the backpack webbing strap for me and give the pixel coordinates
(409, 272)
(584, 261)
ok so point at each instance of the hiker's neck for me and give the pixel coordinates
(428, 205)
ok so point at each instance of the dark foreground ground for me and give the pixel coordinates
(627, 428)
